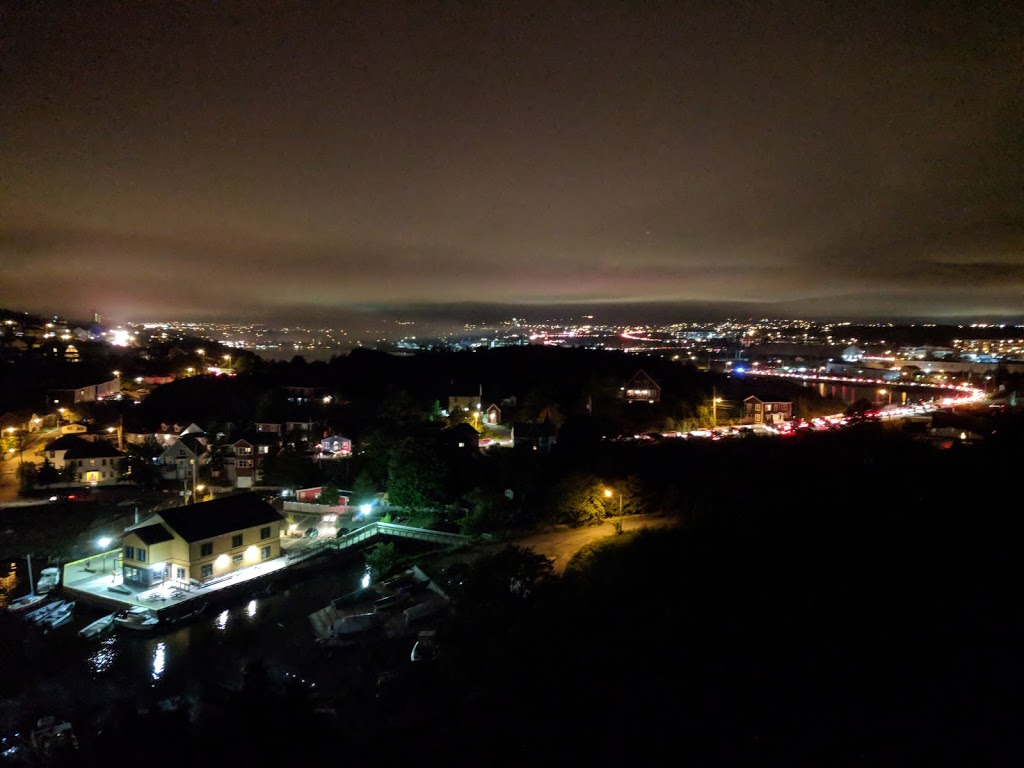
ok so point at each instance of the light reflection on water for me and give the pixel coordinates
(124, 665)
(103, 657)
(159, 660)
(8, 585)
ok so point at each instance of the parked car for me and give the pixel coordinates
(73, 494)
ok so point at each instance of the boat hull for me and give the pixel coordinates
(100, 625)
(24, 603)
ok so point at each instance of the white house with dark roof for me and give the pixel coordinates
(183, 457)
(94, 463)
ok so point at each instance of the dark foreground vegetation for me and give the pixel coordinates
(848, 600)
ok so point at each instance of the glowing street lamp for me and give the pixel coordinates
(608, 493)
(104, 542)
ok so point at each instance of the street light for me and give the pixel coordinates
(608, 493)
(104, 542)
(886, 392)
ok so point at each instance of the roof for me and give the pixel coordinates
(227, 514)
(75, 447)
(64, 442)
(153, 534)
(642, 378)
(253, 437)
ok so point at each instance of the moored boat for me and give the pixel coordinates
(58, 617)
(357, 624)
(137, 618)
(48, 579)
(43, 612)
(23, 603)
(97, 627)
(52, 737)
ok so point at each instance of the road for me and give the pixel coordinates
(9, 463)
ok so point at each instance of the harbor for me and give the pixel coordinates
(207, 635)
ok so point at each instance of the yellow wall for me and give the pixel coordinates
(223, 553)
(178, 552)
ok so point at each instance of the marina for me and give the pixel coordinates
(205, 635)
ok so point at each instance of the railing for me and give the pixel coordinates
(372, 530)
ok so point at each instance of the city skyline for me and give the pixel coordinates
(365, 165)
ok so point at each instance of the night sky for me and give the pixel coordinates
(195, 160)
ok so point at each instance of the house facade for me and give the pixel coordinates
(335, 446)
(535, 436)
(199, 542)
(757, 411)
(641, 389)
(249, 451)
(181, 459)
(89, 393)
(94, 463)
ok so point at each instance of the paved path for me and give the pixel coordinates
(560, 545)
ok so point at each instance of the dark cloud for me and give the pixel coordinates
(208, 161)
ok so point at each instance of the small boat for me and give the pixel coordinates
(51, 737)
(59, 617)
(48, 579)
(356, 624)
(99, 626)
(25, 602)
(194, 613)
(46, 610)
(391, 601)
(137, 618)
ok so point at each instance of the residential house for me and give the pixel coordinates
(305, 394)
(199, 542)
(462, 436)
(335, 446)
(463, 403)
(94, 463)
(538, 436)
(301, 435)
(493, 414)
(249, 451)
(183, 456)
(87, 393)
(757, 411)
(641, 388)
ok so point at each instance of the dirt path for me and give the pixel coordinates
(560, 545)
